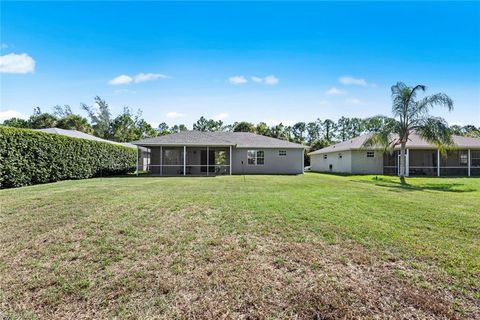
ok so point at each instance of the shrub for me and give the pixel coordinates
(30, 157)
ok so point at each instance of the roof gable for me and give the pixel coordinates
(200, 138)
(415, 142)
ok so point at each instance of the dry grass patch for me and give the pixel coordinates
(184, 258)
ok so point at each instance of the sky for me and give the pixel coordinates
(273, 62)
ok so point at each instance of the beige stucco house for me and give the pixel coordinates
(196, 153)
(423, 158)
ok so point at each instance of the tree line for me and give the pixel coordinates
(130, 126)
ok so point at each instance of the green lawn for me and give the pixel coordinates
(312, 246)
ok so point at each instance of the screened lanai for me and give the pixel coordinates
(431, 162)
(188, 160)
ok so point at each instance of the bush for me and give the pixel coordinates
(30, 157)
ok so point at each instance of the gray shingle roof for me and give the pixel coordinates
(199, 138)
(415, 142)
(82, 135)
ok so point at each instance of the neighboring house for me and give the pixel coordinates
(217, 153)
(82, 135)
(463, 159)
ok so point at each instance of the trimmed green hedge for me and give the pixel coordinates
(31, 157)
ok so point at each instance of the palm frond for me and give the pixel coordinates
(386, 138)
(439, 99)
(436, 131)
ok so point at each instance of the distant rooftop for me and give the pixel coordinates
(82, 135)
(200, 138)
(415, 142)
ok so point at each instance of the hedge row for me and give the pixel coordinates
(31, 157)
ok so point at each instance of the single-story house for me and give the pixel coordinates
(422, 158)
(221, 153)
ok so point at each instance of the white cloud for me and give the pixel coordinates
(335, 92)
(220, 116)
(348, 80)
(271, 80)
(122, 79)
(142, 77)
(4, 115)
(16, 63)
(257, 79)
(175, 115)
(268, 80)
(354, 101)
(272, 122)
(237, 80)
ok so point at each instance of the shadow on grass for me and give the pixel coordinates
(446, 187)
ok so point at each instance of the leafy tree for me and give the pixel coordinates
(412, 115)
(124, 127)
(319, 144)
(329, 129)
(203, 124)
(262, 129)
(471, 131)
(163, 129)
(16, 123)
(75, 122)
(278, 132)
(178, 128)
(298, 131)
(376, 123)
(343, 127)
(100, 117)
(42, 120)
(288, 133)
(243, 126)
(62, 111)
(314, 130)
(145, 130)
(355, 128)
(457, 130)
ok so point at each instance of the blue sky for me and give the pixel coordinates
(238, 61)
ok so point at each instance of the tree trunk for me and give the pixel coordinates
(403, 161)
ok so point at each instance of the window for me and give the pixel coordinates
(340, 156)
(260, 157)
(325, 157)
(255, 157)
(251, 157)
(463, 158)
(282, 153)
(475, 158)
(370, 154)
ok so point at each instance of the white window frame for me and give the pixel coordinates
(256, 157)
(370, 154)
(282, 153)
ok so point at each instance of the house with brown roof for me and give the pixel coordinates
(422, 158)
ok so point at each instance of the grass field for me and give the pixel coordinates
(312, 246)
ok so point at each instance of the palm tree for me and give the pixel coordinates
(411, 115)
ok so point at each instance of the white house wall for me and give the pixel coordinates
(354, 162)
(361, 164)
(338, 165)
